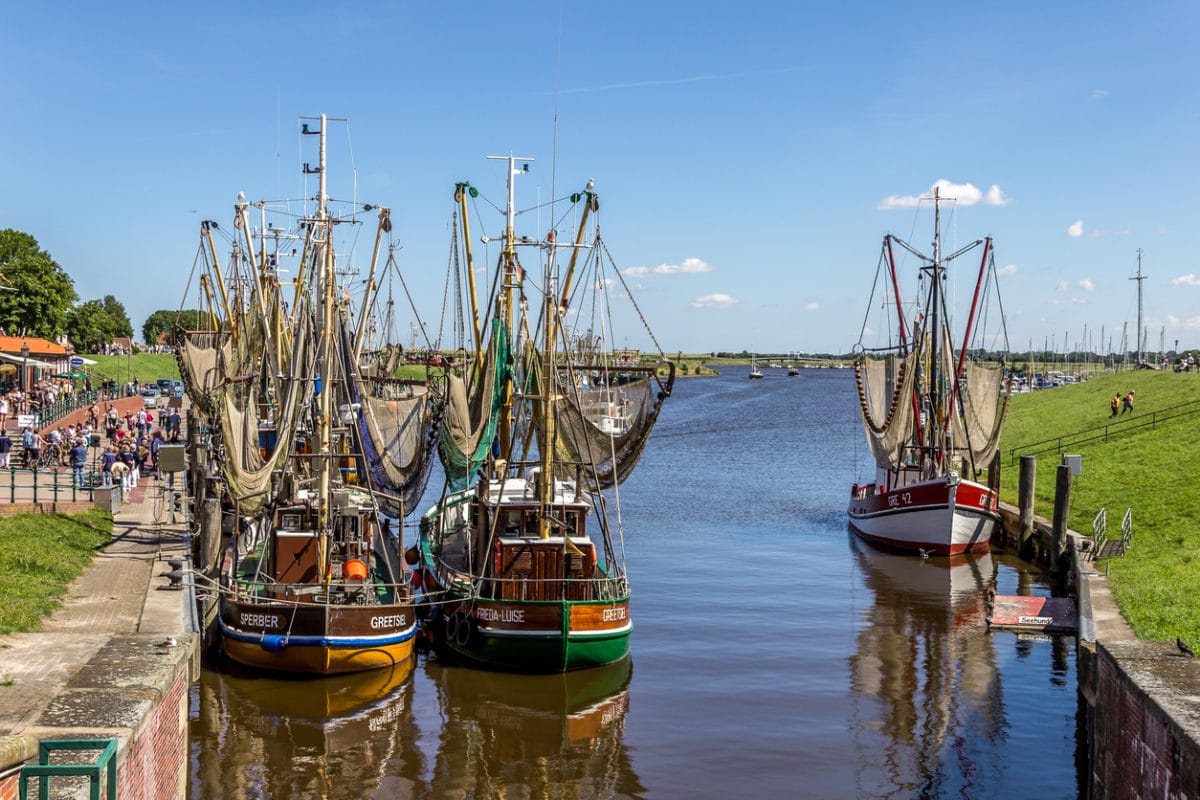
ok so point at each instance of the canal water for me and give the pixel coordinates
(774, 655)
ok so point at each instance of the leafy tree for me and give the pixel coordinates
(165, 321)
(39, 293)
(97, 321)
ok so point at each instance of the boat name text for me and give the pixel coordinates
(259, 620)
(501, 614)
(615, 614)
(390, 621)
(900, 498)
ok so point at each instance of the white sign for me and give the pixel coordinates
(26, 420)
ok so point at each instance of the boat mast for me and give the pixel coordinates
(324, 426)
(549, 389)
(461, 190)
(509, 280)
(932, 327)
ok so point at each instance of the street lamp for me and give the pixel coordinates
(24, 366)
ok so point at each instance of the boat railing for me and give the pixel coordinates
(523, 588)
(265, 590)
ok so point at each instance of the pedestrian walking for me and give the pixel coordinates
(107, 462)
(1116, 403)
(1128, 403)
(6, 444)
(78, 455)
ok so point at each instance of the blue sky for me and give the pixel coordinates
(744, 153)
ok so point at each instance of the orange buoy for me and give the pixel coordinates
(354, 570)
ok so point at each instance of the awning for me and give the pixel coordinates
(33, 362)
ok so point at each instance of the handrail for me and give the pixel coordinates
(1104, 432)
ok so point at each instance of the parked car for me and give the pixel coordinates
(150, 396)
(165, 385)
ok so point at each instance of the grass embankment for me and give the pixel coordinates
(40, 554)
(146, 367)
(1154, 472)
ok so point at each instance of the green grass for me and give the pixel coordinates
(1154, 472)
(146, 367)
(40, 554)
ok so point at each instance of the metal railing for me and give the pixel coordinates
(1104, 432)
(49, 485)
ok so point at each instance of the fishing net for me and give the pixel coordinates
(471, 413)
(603, 418)
(885, 391)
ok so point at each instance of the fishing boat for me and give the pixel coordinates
(312, 445)
(793, 370)
(931, 411)
(520, 565)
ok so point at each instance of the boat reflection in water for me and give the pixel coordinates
(278, 738)
(559, 735)
(928, 707)
(447, 733)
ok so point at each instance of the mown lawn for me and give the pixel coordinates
(146, 367)
(1154, 472)
(40, 554)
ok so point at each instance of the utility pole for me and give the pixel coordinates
(1140, 336)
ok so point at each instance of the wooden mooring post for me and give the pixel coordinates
(1062, 510)
(1028, 477)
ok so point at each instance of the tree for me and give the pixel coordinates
(165, 321)
(39, 293)
(97, 321)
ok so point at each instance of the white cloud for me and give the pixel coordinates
(1192, 324)
(689, 265)
(995, 197)
(1099, 94)
(717, 301)
(811, 306)
(1062, 286)
(1186, 280)
(1123, 232)
(1172, 321)
(1087, 285)
(1161, 231)
(967, 194)
(1011, 269)
(1068, 301)
(1076, 229)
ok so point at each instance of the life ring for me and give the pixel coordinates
(451, 627)
(463, 635)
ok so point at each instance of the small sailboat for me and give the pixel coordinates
(520, 561)
(931, 413)
(755, 372)
(305, 454)
(793, 370)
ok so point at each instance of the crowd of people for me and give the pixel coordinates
(128, 445)
(44, 393)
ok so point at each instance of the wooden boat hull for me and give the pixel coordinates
(538, 636)
(316, 639)
(940, 516)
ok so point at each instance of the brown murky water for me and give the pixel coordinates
(773, 655)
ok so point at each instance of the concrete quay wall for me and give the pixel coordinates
(1141, 698)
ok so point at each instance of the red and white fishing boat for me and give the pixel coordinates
(932, 414)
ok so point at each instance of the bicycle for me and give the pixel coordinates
(51, 456)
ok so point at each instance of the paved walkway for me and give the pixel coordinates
(122, 599)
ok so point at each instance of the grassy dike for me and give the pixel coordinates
(40, 554)
(1154, 472)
